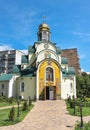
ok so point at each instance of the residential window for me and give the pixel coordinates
(22, 87)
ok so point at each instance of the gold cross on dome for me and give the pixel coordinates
(43, 18)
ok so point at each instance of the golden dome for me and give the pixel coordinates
(43, 27)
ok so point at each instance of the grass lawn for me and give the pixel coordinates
(4, 120)
(85, 110)
(85, 127)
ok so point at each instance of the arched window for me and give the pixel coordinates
(49, 74)
(22, 88)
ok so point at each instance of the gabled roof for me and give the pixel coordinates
(24, 59)
(28, 71)
(6, 77)
(16, 69)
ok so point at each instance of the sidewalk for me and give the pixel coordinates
(6, 107)
(47, 115)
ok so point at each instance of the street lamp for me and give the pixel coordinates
(18, 102)
(81, 115)
(74, 107)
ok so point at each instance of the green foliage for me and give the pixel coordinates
(83, 85)
(12, 114)
(11, 100)
(85, 127)
(25, 106)
(4, 101)
(85, 107)
(4, 121)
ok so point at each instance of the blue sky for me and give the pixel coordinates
(69, 21)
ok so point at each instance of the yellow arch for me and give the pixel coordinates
(42, 76)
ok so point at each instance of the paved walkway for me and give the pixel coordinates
(6, 107)
(47, 115)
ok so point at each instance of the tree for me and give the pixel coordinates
(83, 85)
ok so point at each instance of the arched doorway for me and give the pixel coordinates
(50, 90)
(48, 80)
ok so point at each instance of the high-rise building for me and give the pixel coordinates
(8, 58)
(73, 58)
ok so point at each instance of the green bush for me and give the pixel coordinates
(86, 126)
(25, 106)
(12, 114)
(71, 104)
(11, 100)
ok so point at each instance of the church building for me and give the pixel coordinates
(43, 74)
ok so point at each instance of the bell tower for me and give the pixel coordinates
(43, 32)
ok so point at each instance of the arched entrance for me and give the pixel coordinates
(49, 80)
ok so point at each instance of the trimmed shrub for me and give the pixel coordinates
(25, 106)
(12, 114)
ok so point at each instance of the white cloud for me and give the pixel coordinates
(80, 34)
(24, 51)
(5, 47)
(82, 56)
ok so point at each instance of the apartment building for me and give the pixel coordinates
(73, 58)
(8, 58)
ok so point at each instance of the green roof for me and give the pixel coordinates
(6, 77)
(64, 60)
(27, 75)
(28, 71)
(64, 70)
(31, 50)
(24, 59)
(68, 73)
(16, 69)
(71, 70)
(58, 50)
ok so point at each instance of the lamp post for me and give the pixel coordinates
(18, 102)
(81, 115)
(74, 107)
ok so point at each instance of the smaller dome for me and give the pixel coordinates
(43, 27)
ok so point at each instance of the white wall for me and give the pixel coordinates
(30, 87)
(66, 88)
(5, 90)
(18, 57)
(41, 47)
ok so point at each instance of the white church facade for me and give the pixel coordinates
(43, 73)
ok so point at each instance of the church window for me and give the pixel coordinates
(2, 86)
(71, 87)
(49, 74)
(40, 37)
(22, 89)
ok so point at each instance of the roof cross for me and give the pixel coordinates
(43, 18)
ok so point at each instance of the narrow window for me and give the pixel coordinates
(2, 86)
(22, 87)
(71, 87)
